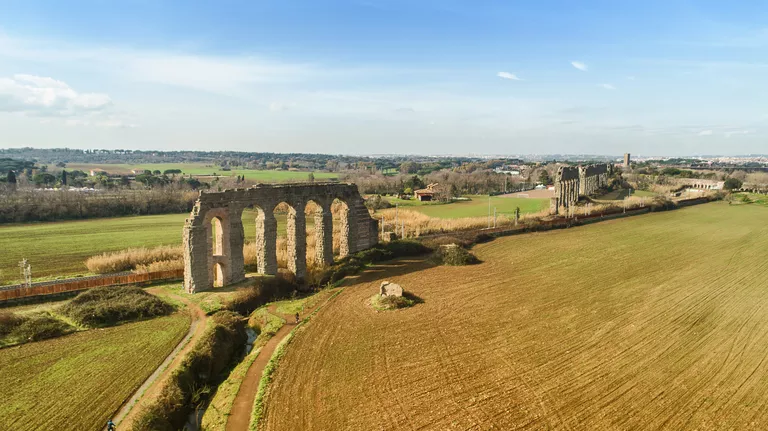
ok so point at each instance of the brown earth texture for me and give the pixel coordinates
(652, 322)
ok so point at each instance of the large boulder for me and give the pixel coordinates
(390, 289)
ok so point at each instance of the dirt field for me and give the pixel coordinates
(652, 322)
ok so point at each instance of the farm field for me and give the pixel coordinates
(650, 322)
(620, 194)
(78, 381)
(203, 169)
(477, 206)
(57, 249)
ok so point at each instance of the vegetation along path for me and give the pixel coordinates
(240, 415)
(151, 387)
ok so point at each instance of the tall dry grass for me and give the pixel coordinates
(130, 259)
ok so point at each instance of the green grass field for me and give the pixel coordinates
(477, 206)
(644, 323)
(203, 169)
(59, 249)
(78, 381)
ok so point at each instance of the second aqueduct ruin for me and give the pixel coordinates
(214, 236)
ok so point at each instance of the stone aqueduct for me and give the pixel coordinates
(574, 181)
(214, 236)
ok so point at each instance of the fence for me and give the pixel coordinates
(8, 293)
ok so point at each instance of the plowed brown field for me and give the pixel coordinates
(652, 322)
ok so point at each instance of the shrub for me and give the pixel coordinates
(102, 306)
(201, 369)
(266, 289)
(9, 322)
(454, 255)
(40, 327)
(129, 259)
(384, 303)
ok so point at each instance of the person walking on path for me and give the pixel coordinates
(297, 318)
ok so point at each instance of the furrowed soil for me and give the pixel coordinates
(652, 322)
(77, 382)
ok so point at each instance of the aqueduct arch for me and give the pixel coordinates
(217, 253)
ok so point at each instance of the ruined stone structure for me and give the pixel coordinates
(592, 178)
(572, 182)
(214, 236)
(566, 188)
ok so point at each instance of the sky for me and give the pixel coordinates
(426, 77)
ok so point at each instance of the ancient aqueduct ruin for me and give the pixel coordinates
(574, 181)
(214, 236)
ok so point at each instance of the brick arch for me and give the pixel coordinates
(361, 230)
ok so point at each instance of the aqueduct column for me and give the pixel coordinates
(266, 242)
(236, 243)
(324, 235)
(297, 241)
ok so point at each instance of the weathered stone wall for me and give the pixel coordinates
(592, 178)
(206, 259)
(572, 182)
(566, 188)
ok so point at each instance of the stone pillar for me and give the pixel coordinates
(324, 237)
(195, 257)
(266, 242)
(297, 242)
(236, 243)
(345, 241)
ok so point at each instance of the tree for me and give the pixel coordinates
(43, 178)
(11, 177)
(63, 177)
(311, 177)
(732, 183)
(544, 177)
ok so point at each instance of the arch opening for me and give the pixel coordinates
(217, 237)
(218, 275)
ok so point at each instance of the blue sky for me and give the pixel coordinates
(397, 76)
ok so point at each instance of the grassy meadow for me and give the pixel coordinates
(650, 322)
(78, 381)
(203, 169)
(58, 249)
(477, 206)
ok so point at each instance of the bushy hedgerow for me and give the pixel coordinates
(384, 303)
(103, 306)
(265, 290)
(38, 327)
(202, 369)
(9, 322)
(454, 255)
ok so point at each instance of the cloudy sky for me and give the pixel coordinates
(655, 77)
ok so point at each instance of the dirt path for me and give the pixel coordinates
(151, 387)
(240, 416)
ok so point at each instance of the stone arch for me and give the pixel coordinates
(342, 228)
(227, 206)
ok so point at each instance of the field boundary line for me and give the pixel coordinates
(259, 406)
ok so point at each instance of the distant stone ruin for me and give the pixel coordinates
(390, 289)
(572, 182)
(214, 235)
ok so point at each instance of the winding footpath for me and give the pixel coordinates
(240, 415)
(150, 389)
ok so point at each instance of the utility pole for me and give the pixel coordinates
(396, 216)
(26, 272)
(505, 183)
(494, 217)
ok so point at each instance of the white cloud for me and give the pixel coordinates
(608, 86)
(43, 96)
(730, 133)
(507, 75)
(48, 98)
(579, 65)
(705, 133)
